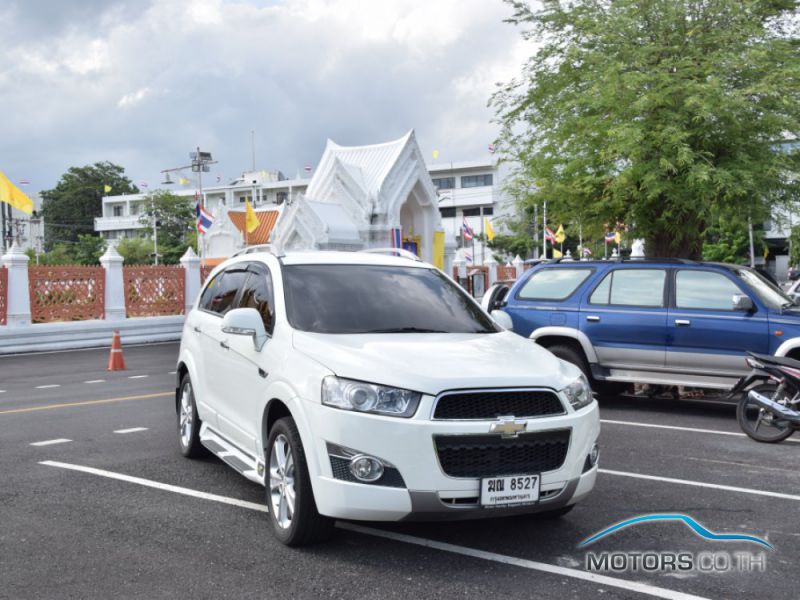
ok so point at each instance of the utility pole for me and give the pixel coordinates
(544, 230)
(536, 230)
(752, 246)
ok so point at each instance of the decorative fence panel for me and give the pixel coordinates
(154, 291)
(66, 293)
(506, 272)
(3, 295)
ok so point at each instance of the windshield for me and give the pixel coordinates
(378, 299)
(768, 293)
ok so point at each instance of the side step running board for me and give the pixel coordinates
(241, 461)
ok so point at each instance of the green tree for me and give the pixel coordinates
(654, 113)
(88, 249)
(59, 254)
(173, 217)
(69, 208)
(728, 240)
(136, 251)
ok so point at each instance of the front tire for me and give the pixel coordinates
(607, 389)
(760, 424)
(188, 421)
(290, 499)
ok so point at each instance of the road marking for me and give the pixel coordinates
(95, 381)
(94, 348)
(2, 391)
(45, 387)
(702, 484)
(51, 442)
(137, 376)
(676, 428)
(130, 430)
(171, 372)
(85, 403)
(631, 586)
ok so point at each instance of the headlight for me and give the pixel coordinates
(579, 393)
(348, 394)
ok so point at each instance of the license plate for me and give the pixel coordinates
(511, 490)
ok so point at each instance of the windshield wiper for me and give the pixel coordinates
(405, 330)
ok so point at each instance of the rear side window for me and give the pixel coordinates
(631, 287)
(221, 291)
(553, 284)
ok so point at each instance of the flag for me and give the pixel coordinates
(468, 233)
(251, 221)
(560, 235)
(204, 219)
(143, 184)
(106, 188)
(435, 154)
(487, 226)
(587, 252)
(11, 194)
(468, 257)
(219, 178)
(397, 237)
(766, 251)
(611, 236)
(549, 235)
(557, 253)
(24, 181)
(307, 168)
(183, 181)
(618, 237)
(491, 148)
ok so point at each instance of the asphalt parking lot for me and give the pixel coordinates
(97, 502)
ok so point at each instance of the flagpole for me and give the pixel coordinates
(544, 230)
(483, 238)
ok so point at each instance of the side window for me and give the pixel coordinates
(553, 284)
(221, 291)
(257, 293)
(704, 290)
(631, 287)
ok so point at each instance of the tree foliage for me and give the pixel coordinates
(69, 208)
(136, 251)
(728, 240)
(654, 113)
(174, 218)
(87, 250)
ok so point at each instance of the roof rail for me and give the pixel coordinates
(257, 248)
(401, 252)
(619, 259)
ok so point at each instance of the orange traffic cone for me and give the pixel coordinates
(115, 360)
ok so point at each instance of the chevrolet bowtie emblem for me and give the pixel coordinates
(508, 426)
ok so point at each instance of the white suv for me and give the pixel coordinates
(363, 386)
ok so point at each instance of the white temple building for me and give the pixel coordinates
(363, 197)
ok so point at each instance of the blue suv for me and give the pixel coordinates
(658, 321)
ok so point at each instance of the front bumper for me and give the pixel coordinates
(430, 494)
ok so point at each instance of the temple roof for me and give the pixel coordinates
(267, 220)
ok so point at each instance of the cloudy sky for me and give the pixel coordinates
(142, 82)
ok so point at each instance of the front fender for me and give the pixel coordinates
(788, 346)
(567, 332)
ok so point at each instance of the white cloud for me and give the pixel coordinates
(133, 98)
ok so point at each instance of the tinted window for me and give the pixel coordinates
(444, 183)
(221, 291)
(378, 299)
(472, 212)
(704, 289)
(631, 287)
(447, 212)
(257, 293)
(553, 284)
(468, 181)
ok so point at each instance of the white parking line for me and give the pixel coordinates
(44, 387)
(171, 372)
(51, 442)
(702, 484)
(676, 428)
(631, 586)
(137, 376)
(95, 381)
(130, 430)
(2, 391)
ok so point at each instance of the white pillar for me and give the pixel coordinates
(461, 266)
(519, 265)
(18, 307)
(191, 265)
(115, 284)
(491, 263)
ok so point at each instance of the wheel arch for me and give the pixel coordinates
(790, 348)
(549, 336)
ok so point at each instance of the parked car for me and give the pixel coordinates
(363, 386)
(667, 322)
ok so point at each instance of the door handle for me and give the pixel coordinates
(224, 344)
(682, 322)
(593, 318)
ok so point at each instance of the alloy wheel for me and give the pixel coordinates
(281, 481)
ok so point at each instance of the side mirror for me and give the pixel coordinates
(742, 302)
(503, 319)
(246, 321)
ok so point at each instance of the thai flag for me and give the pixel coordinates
(143, 184)
(397, 237)
(491, 148)
(467, 230)
(587, 252)
(611, 236)
(307, 168)
(549, 235)
(204, 219)
(468, 257)
(24, 181)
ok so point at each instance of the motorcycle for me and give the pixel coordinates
(769, 398)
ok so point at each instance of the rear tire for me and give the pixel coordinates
(188, 421)
(758, 423)
(290, 499)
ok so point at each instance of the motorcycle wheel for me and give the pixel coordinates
(758, 423)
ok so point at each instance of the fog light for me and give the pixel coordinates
(594, 455)
(366, 468)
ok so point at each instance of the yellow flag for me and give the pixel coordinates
(435, 154)
(183, 181)
(488, 229)
(438, 250)
(557, 253)
(251, 221)
(766, 251)
(106, 188)
(14, 196)
(618, 237)
(560, 235)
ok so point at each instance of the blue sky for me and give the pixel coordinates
(142, 82)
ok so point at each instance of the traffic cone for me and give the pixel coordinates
(115, 360)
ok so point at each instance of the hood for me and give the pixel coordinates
(433, 362)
